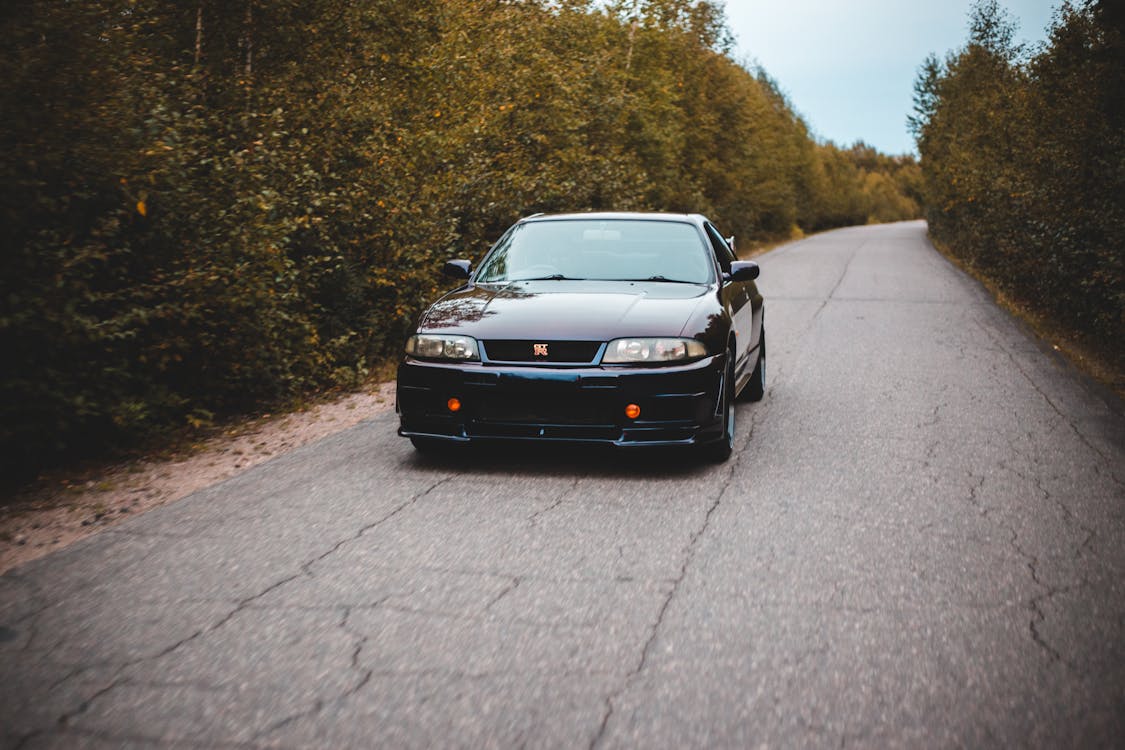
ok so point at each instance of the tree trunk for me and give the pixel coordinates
(249, 40)
(198, 34)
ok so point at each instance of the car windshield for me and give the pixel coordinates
(615, 249)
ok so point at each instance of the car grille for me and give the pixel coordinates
(567, 352)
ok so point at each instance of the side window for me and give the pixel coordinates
(719, 246)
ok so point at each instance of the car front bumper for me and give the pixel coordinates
(678, 404)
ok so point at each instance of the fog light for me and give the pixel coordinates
(454, 404)
(632, 411)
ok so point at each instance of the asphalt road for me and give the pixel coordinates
(919, 541)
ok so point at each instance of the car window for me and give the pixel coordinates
(719, 246)
(620, 249)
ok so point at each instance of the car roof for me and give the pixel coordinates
(697, 219)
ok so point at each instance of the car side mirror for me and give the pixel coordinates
(458, 269)
(743, 270)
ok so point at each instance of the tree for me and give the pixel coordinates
(1023, 161)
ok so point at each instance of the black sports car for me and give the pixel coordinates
(630, 329)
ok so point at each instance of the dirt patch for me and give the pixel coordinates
(56, 512)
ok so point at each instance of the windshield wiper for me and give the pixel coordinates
(666, 280)
(552, 277)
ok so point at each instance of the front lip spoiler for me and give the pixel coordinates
(437, 436)
(480, 439)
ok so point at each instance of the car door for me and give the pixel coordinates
(737, 297)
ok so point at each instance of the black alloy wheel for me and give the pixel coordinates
(720, 450)
(756, 389)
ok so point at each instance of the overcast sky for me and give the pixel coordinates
(848, 66)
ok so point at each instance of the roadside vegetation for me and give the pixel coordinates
(1023, 158)
(209, 206)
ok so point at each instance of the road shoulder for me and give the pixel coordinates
(58, 510)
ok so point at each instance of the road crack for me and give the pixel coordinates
(304, 569)
(1049, 401)
(533, 519)
(319, 704)
(1032, 563)
(836, 286)
(503, 593)
(654, 631)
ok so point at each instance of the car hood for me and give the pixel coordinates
(568, 310)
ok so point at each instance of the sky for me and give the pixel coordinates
(848, 66)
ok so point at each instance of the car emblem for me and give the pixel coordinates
(539, 350)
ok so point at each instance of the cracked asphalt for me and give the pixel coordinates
(920, 540)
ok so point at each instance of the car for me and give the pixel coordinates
(623, 329)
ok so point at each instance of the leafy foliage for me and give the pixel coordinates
(214, 205)
(1023, 161)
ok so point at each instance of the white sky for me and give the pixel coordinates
(848, 67)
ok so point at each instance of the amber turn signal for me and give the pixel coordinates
(632, 411)
(454, 404)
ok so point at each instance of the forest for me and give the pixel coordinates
(1023, 160)
(213, 207)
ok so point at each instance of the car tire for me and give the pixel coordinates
(720, 450)
(755, 390)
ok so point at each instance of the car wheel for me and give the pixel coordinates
(756, 388)
(721, 449)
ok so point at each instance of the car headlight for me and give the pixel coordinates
(621, 351)
(432, 346)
